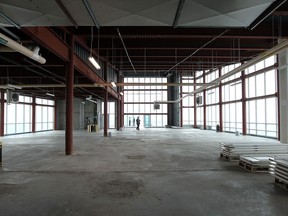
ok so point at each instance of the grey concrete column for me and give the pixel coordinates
(283, 95)
(173, 94)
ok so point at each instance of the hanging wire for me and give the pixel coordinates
(145, 62)
(280, 26)
(273, 31)
(239, 54)
(98, 44)
(91, 41)
(204, 45)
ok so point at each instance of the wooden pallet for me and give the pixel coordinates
(253, 168)
(229, 158)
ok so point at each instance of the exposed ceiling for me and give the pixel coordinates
(159, 36)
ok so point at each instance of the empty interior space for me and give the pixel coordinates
(155, 107)
(147, 172)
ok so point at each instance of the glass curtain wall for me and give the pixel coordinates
(260, 100)
(212, 101)
(139, 102)
(111, 111)
(188, 102)
(262, 103)
(232, 94)
(18, 116)
(44, 115)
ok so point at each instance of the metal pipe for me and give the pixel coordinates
(10, 33)
(9, 20)
(66, 12)
(21, 49)
(178, 13)
(185, 59)
(88, 7)
(126, 50)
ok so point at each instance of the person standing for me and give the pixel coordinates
(138, 123)
(129, 121)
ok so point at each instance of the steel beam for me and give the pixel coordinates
(46, 38)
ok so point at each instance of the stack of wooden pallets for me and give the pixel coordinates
(258, 163)
(279, 169)
(233, 151)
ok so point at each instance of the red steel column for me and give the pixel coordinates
(105, 70)
(33, 114)
(244, 110)
(278, 98)
(122, 104)
(220, 103)
(119, 89)
(55, 115)
(119, 112)
(195, 105)
(204, 103)
(69, 101)
(106, 112)
(181, 102)
(2, 117)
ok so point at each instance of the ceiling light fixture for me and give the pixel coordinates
(49, 94)
(91, 58)
(113, 84)
(10, 86)
(94, 62)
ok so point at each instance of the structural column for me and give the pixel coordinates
(33, 114)
(283, 95)
(105, 101)
(181, 102)
(195, 104)
(204, 103)
(173, 94)
(119, 103)
(69, 101)
(2, 114)
(244, 109)
(106, 112)
(220, 103)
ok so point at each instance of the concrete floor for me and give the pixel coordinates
(148, 172)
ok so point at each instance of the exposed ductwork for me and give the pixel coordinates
(33, 54)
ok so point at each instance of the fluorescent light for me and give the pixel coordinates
(10, 86)
(113, 84)
(121, 93)
(94, 62)
(49, 94)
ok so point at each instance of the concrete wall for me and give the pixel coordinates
(80, 113)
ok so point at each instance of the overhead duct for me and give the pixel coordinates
(33, 54)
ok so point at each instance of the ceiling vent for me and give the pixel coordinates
(12, 97)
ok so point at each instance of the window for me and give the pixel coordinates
(139, 101)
